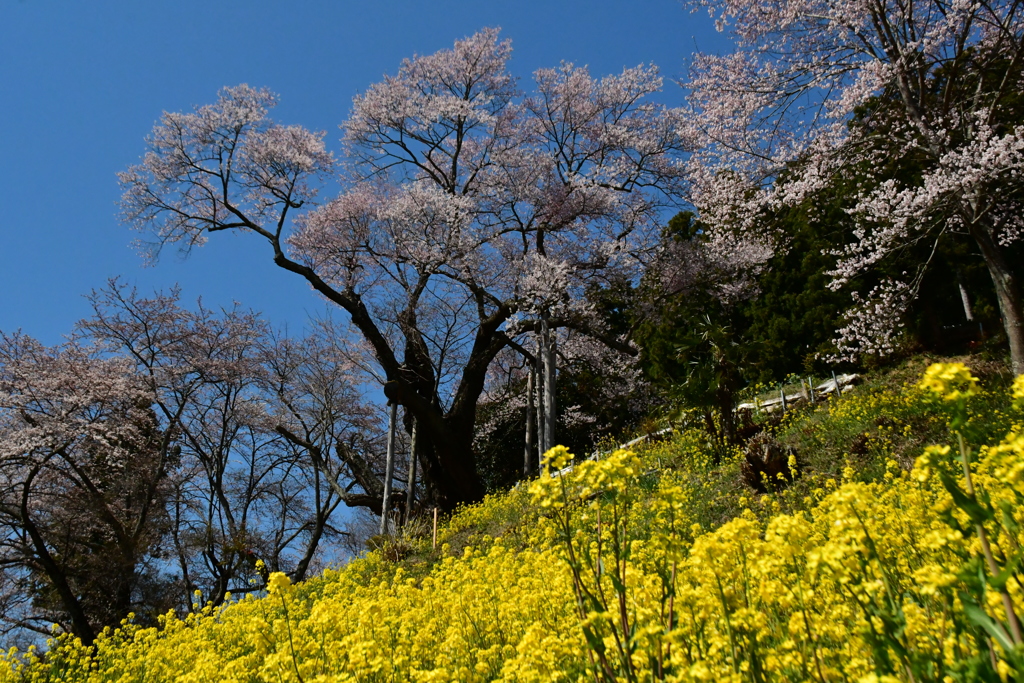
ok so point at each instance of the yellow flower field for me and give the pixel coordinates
(604, 575)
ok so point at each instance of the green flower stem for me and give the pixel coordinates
(1011, 614)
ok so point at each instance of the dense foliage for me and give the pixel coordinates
(817, 92)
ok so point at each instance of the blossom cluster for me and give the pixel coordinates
(600, 573)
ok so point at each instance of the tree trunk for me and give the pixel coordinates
(1007, 293)
(726, 410)
(448, 460)
(550, 409)
(388, 470)
(531, 445)
(80, 625)
(410, 487)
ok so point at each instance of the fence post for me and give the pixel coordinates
(782, 395)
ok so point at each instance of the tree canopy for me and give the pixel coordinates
(470, 212)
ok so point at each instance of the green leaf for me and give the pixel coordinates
(595, 642)
(1007, 518)
(1000, 579)
(994, 629)
(619, 587)
(967, 503)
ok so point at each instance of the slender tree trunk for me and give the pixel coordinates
(410, 496)
(1007, 293)
(388, 470)
(964, 298)
(314, 542)
(550, 409)
(726, 409)
(531, 445)
(712, 429)
(539, 372)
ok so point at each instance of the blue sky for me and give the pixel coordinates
(84, 82)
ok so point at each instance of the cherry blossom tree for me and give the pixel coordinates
(85, 474)
(818, 89)
(163, 451)
(471, 216)
(237, 399)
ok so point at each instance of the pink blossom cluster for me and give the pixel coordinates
(820, 90)
(55, 401)
(873, 324)
(467, 204)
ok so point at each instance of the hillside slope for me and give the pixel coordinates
(874, 557)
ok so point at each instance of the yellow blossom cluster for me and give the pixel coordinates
(600, 573)
(951, 381)
(1017, 391)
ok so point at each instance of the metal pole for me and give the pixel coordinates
(410, 496)
(835, 383)
(389, 470)
(782, 396)
(810, 387)
(531, 435)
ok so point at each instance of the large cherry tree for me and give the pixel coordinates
(918, 102)
(472, 215)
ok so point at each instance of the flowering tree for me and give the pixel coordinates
(165, 451)
(470, 213)
(267, 430)
(84, 478)
(934, 87)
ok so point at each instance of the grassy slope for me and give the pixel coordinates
(495, 600)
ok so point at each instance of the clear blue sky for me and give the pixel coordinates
(84, 82)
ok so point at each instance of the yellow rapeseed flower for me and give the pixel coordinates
(950, 381)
